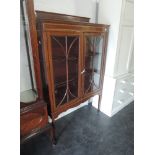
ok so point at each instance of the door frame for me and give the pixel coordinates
(103, 58)
(49, 64)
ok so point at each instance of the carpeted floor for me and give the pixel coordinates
(87, 132)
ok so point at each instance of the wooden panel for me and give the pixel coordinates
(131, 62)
(41, 15)
(72, 26)
(33, 120)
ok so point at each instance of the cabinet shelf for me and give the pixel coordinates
(91, 53)
(64, 82)
(90, 71)
(64, 59)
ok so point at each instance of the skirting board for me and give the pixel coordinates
(68, 111)
(118, 108)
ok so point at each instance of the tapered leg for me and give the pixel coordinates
(53, 133)
(50, 135)
(90, 101)
(99, 102)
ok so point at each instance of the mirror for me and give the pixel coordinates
(28, 91)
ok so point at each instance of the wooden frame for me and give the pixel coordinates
(57, 27)
(103, 53)
(48, 55)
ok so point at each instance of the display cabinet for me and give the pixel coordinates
(72, 56)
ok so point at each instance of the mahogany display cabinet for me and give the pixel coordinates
(72, 55)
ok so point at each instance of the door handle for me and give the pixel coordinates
(83, 71)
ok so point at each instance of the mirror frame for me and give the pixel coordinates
(34, 46)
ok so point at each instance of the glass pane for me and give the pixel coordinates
(28, 91)
(65, 53)
(28, 96)
(93, 57)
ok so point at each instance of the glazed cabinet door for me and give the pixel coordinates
(92, 62)
(63, 67)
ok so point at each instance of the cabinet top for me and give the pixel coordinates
(42, 15)
(49, 18)
(52, 26)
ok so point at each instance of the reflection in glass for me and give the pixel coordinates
(93, 58)
(28, 91)
(65, 53)
(28, 96)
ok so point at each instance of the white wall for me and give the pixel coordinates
(109, 13)
(119, 15)
(58, 6)
(84, 8)
(126, 35)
